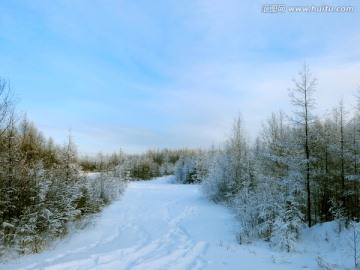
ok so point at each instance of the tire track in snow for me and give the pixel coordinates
(174, 249)
(152, 227)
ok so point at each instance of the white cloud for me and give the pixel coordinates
(169, 74)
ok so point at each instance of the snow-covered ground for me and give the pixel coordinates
(158, 225)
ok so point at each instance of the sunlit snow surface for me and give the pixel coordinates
(159, 225)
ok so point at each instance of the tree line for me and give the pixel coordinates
(153, 163)
(42, 186)
(299, 171)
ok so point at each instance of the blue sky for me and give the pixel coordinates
(153, 74)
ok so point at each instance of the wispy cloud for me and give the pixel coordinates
(133, 75)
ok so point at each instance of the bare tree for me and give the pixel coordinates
(302, 98)
(340, 122)
(7, 104)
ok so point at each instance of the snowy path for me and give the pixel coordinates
(157, 225)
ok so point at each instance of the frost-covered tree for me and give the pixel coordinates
(302, 97)
(191, 167)
(339, 148)
(231, 169)
(7, 105)
(185, 170)
(278, 186)
(214, 184)
(286, 228)
(166, 167)
(353, 241)
(68, 166)
(273, 165)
